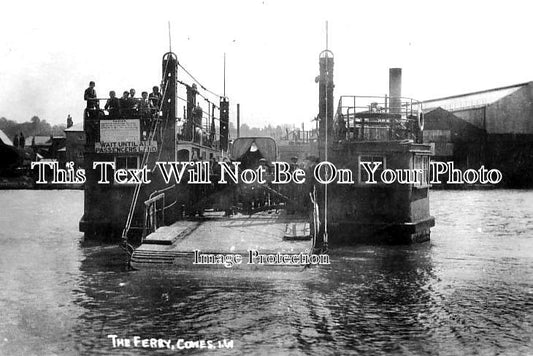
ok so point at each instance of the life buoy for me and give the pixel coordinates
(420, 121)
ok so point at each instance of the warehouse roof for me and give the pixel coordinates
(474, 99)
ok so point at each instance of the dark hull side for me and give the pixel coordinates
(379, 213)
(349, 233)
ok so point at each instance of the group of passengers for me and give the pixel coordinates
(128, 104)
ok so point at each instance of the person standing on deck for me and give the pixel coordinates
(197, 198)
(145, 105)
(90, 97)
(133, 101)
(112, 105)
(125, 101)
(155, 97)
(263, 193)
(293, 189)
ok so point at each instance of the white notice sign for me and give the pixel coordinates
(125, 147)
(119, 131)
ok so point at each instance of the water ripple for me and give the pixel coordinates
(468, 291)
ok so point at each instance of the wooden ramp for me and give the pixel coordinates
(194, 244)
(167, 235)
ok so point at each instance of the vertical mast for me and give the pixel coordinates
(325, 118)
(169, 38)
(168, 107)
(325, 97)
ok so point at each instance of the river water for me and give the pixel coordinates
(468, 291)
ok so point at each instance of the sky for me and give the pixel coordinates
(50, 50)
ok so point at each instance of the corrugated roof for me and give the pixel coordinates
(474, 99)
(5, 140)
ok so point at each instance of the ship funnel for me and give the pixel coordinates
(395, 90)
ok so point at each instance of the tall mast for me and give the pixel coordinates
(169, 38)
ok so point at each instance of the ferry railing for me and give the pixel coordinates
(199, 134)
(136, 106)
(374, 118)
(382, 104)
(157, 192)
(296, 137)
(93, 115)
(151, 220)
(152, 209)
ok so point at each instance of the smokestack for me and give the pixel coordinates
(395, 90)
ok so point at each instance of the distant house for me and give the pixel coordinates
(75, 144)
(47, 147)
(504, 116)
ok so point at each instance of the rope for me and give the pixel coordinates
(197, 92)
(205, 112)
(137, 190)
(197, 82)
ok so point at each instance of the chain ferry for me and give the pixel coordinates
(206, 222)
(193, 222)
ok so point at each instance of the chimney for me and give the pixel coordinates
(395, 90)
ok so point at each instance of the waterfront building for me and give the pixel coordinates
(494, 127)
(75, 144)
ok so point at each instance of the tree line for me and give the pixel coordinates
(34, 127)
(278, 132)
(38, 127)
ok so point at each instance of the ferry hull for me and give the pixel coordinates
(348, 232)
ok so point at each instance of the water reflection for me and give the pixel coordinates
(470, 290)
